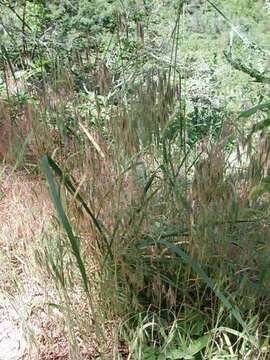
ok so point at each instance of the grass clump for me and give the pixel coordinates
(158, 248)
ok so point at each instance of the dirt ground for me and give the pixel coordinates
(24, 206)
(30, 329)
(12, 344)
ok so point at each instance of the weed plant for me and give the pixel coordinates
(159, 248)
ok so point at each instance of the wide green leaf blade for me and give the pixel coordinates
(197, 345)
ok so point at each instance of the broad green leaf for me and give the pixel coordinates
(192, 349)
(178, 354)
(196, 346)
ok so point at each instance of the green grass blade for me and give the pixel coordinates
(199, 271)
(254, 109)
(71, 188)
(63, 219)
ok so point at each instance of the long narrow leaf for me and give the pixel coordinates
(71, 188)
(199, 271)
(253, 110)
(63, 219)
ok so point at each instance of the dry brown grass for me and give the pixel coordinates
(22, 134)
(5, 129)
(25, 210)
(26, 281)
(24, 206)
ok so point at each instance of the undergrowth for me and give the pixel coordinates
(158, 248)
